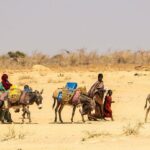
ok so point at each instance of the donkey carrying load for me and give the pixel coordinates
(21, 100)
(73, 96)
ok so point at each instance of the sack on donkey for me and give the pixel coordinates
(14, 94)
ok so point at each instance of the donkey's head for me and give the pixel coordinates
(36, 97)
(39, 98)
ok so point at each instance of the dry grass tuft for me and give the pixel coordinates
(90, 135)
(12, 133)
(132, 130)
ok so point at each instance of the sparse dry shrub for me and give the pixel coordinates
(57, 60)
(92, 135)
(132, 130)
(39, 58)
(73, 61)
(78, 58)
(12, 133)
(94, 58)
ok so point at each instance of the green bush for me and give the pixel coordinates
(16, 54)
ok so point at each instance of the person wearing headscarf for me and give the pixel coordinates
(4, 87)
(6, 84)
(97, 92)
(98, 85)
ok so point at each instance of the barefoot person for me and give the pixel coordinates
(97, 92)
(107, 105)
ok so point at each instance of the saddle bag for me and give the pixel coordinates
(67, 95)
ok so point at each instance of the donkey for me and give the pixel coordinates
(86, 102)
(28, 99)
(148, 108)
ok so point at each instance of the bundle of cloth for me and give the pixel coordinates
(14, 94)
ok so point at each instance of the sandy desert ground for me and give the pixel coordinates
(129, 94)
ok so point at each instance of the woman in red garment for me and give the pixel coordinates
(107, 105)
(6, 84)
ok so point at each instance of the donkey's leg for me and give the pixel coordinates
(82, 115)
(148, 109)
(28, 114)
(8, 116)
(60, 110)
(89, 115)
(54, 102)
(73, 112)
(23, 114)
(56, 110)
(3, 116)
(24, 110)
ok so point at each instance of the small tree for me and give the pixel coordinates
(16, 54)
(20, 54)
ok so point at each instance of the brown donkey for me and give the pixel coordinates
(82, 100)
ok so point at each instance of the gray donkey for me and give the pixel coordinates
(28, 99)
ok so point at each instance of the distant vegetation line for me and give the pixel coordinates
(78, 58)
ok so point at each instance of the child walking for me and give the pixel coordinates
(107, 105)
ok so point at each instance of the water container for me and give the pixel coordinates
(71, 86)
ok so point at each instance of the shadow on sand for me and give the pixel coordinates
(70, 123)
(24, 123)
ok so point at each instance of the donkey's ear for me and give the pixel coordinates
(36, 91)
(41, 92)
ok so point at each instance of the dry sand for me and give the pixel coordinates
(129, 93)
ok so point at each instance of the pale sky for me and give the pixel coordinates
(52, 25)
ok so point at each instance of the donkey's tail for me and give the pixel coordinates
(54, 102)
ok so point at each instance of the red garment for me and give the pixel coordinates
(107, 107)
(5, 82)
